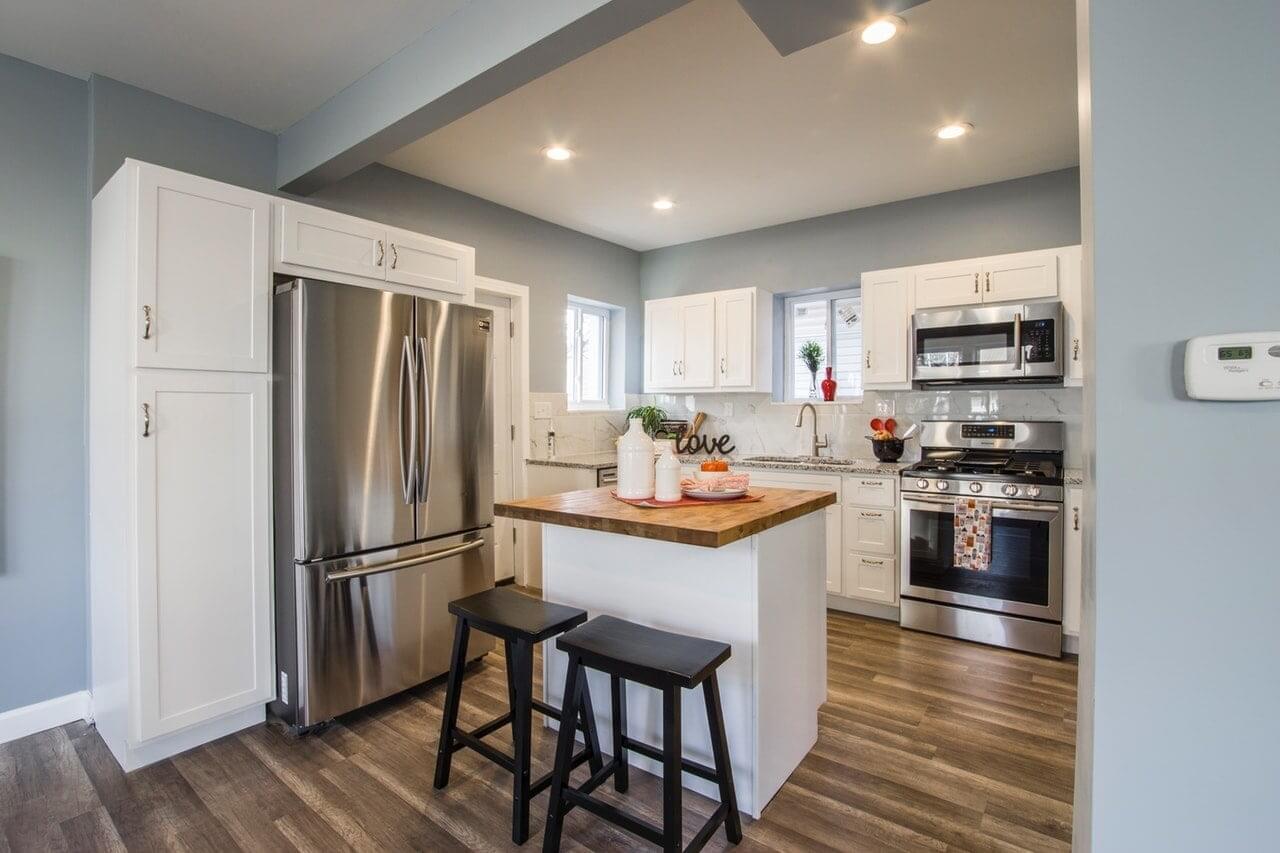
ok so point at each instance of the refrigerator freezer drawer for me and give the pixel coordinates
(375, 624)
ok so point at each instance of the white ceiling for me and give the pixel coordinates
(266, 63)
(698, 106)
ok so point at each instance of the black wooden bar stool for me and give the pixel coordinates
(520, 622)
(670, 663)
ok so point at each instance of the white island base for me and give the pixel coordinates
(765, 595)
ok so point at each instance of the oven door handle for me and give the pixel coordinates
(1027, 507)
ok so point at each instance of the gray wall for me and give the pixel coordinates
(43, 237)
(552, 261)
(1183, 599)
(829, 251)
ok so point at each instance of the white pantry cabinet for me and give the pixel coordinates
(1072, 557)
(179, 464)
(718, 341)
(886, 329)
(202, 252)
(315, 241)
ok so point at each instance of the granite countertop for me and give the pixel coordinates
(713, 525)
(814, 465)
(589, 461)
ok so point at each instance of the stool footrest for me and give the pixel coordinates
(635, 825)
(470, 741)
(545, 782)
(491, 726)
(687, 765)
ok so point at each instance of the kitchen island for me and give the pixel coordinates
(751, 574)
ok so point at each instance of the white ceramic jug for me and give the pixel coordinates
(666, 480)
(635, 463)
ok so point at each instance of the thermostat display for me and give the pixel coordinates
(1238, 366)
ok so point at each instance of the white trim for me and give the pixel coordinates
(48, 714)
(789, 343)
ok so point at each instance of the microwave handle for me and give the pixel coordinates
(1017, 342)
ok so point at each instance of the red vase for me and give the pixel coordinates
(828, 387)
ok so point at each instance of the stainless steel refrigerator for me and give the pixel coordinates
(383, 458)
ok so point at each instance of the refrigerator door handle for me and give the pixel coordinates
(408, 467)
(408, 562)
(424, 472)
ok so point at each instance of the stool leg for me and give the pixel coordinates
(449, 722)
(509, 653)
(521, 734)
(564, 755)
(587, 719)
(720, 750)
(621, 776)
(672, 788)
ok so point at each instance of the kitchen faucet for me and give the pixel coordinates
(817, 445)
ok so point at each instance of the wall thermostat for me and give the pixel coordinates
(1238, 366)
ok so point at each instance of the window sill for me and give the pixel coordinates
(594, 410)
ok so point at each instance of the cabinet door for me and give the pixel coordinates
(871, 578)
(1073, 550)
(735, 338)
(886, 331)
(871, 491)
(204, 274)
(832, 517)
(1028, 275)
(324, 240)
(1073, 308)
(203, 548)
(698, 324)
(941, 285)
(870, 531)
(422, 261)
(663, 343)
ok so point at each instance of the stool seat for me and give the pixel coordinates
(644, 654)
(511, 615)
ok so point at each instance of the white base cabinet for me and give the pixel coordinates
(871, 538)
(1072, 556)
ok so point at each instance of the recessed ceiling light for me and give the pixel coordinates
(879, 32)
(663, 204)
(953, 131)
(558, 152)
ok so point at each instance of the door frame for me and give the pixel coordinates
(518, 294)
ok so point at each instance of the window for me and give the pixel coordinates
(586, 332)
(834, 322)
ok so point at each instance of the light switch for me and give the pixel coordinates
(885, 407)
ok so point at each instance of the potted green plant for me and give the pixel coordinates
(811, 354)
(651, 418)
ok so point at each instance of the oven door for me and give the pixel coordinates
(1025, 575)
(1001, 343)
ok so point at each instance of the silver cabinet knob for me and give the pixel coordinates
(1033, 491)
(975, 487)
(1009, 489)
(943, 486)
(922, 483)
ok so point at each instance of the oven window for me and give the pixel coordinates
(1019, 558)
(961, 346)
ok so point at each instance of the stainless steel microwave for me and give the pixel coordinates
(996, 344)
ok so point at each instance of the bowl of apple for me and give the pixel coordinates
(884, 444)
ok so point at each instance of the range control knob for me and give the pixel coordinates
(975, 487)
(943, 485)
(922, 483)
(1010, 489)
(1033, 491)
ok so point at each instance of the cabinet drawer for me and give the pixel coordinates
(871, 491)
(871, 578)
(871, 531)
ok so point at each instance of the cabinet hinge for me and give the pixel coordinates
(513, 536)
(513, 432)
(511, 329)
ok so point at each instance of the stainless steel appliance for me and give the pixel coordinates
(383, 458)
(996, 344)
(607, 476)
(1017, 601)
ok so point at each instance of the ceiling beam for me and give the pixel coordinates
(478, 54)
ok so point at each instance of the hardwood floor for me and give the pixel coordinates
(925, 743)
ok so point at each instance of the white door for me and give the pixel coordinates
(204, 274)
(1073, 551)
(871, 578)
(735, 338)
(1073, 308)
(941, 285)
(422, 261)
(663, 342)
(324, 240)
(203, 547)
(885, 329)
(504, 436)
(698, 323)
(1027, 275)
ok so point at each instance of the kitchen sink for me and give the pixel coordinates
(806, 460)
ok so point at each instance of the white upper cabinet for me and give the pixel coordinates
(1027, 275)
(1073, 307)
(708, 341)
(203, 285)
(313, 240)
(886, 329)
(943, 285)
(421, 261)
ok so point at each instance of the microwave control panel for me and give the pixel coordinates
(1238, 366)
(1038, 341)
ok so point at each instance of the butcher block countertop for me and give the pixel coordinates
(710, 526)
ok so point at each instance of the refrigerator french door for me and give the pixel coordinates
(383, 490)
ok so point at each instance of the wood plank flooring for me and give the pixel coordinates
(925, 743)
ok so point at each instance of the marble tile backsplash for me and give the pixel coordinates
(760, 426)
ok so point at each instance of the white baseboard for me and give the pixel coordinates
(48, 714)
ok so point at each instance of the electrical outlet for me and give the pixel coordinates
(542, 410)
(728, 410)
(885, 407)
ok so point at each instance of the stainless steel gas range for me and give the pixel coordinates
(1011, 473)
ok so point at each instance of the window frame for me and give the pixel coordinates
(573, 390)
(830, 297)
